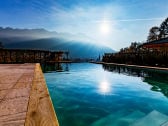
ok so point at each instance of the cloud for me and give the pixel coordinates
(136, 19)
(84, 20)
(128, 21)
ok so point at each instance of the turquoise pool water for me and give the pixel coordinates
(103, 95)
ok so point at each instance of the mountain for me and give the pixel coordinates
(43, 39)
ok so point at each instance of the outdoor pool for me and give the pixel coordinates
(86, 94)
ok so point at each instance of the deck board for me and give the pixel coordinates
(24, 97)
(14, 95)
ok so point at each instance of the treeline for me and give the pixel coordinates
(146, 58)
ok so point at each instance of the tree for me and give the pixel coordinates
(154, 33)
(164, 29)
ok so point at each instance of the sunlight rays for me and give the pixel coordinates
(105, 27)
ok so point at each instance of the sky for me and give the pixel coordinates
(114, 23)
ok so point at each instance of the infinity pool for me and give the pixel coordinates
(85, 94)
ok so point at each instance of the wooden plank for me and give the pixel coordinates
(5, 86)
(15, 86)
(13, 106)
(40, 108)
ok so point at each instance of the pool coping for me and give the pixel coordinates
(136, 66)
(40, 108)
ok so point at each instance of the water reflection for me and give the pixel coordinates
(57, 67)
(91, 96)
(104, 87)
(156, 78)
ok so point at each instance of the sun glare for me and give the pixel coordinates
(105, 27)
(104, 87)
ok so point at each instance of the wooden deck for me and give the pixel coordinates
(24, 97)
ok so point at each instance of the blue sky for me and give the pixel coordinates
(115, 23)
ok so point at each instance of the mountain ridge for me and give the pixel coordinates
(43, 39)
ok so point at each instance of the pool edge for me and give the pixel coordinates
(136, 66)
(40, 107)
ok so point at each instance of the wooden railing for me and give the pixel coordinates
(31, 56)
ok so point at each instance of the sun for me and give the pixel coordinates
(105, 27)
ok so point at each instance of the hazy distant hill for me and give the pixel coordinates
(42, 39)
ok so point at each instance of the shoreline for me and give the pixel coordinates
(135, 66)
